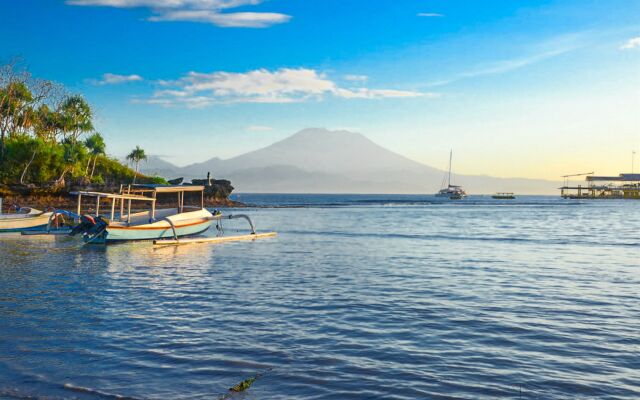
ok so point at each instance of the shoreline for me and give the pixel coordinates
(66, 201)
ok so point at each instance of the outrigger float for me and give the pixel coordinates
(166, 226)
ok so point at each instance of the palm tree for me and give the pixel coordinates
(136, 156)
(95, 144)
(72, 154)
(76, 117)
(15, 98)
(46, 123)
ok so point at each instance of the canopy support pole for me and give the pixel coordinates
(129, 212)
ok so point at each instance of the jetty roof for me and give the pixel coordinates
(619, 178)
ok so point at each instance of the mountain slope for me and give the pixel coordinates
(319, 160)
(155, 165)
(340, 152)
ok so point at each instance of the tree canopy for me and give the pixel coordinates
(136, 156)
(41, 136)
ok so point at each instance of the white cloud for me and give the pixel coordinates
(206, 11)
(226, 20)
(259, 128)
(631, 44)
(430, 15)
(285, 85)
(114, 79)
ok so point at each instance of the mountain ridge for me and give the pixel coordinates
(317, 160)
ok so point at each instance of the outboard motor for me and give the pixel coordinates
(86, 222)
(99, 227)
(89, 225)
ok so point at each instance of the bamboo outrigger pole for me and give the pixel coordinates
(219, 239)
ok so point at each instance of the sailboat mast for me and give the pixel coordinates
(450, 158)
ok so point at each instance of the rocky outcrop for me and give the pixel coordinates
(218, 189)
(216, 194)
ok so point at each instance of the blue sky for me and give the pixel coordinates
(516, 88)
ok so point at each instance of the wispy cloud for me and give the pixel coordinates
(227, 20)
(363, 93)
(503, 66)
(533, 55)
(430, 15)
(286, 85)
(259, 128)
(356, 78)
(115, 79)
(205, 11)
(631, 44)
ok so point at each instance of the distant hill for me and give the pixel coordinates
(323, 161)
(155, 165)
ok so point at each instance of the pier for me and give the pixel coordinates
(623, 186)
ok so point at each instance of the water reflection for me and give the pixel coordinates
(374, 301)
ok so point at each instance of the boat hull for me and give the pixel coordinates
(186, 224)
(451, 196)
(452, 193)
(19, 223)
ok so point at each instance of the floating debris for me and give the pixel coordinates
(243, 385)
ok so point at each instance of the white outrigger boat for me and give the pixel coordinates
(152, 224)
(24, 219)
(167, 226)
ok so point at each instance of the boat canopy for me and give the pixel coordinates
(166, 188)
(114, 196)
(141, 192)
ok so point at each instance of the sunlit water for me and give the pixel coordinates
(380, 297)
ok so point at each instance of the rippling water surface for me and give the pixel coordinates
(381, 297)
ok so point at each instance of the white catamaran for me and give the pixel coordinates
(452, 192)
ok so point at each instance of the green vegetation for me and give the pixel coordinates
(136, 156)
(243, 386)
(41, 132)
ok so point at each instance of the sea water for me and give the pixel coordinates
(359, 297)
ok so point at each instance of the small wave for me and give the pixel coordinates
(16, 394)
(467, 238)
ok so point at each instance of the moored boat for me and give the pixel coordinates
(453, 192)
(24, 218)
(151, 224)
(504, 196)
